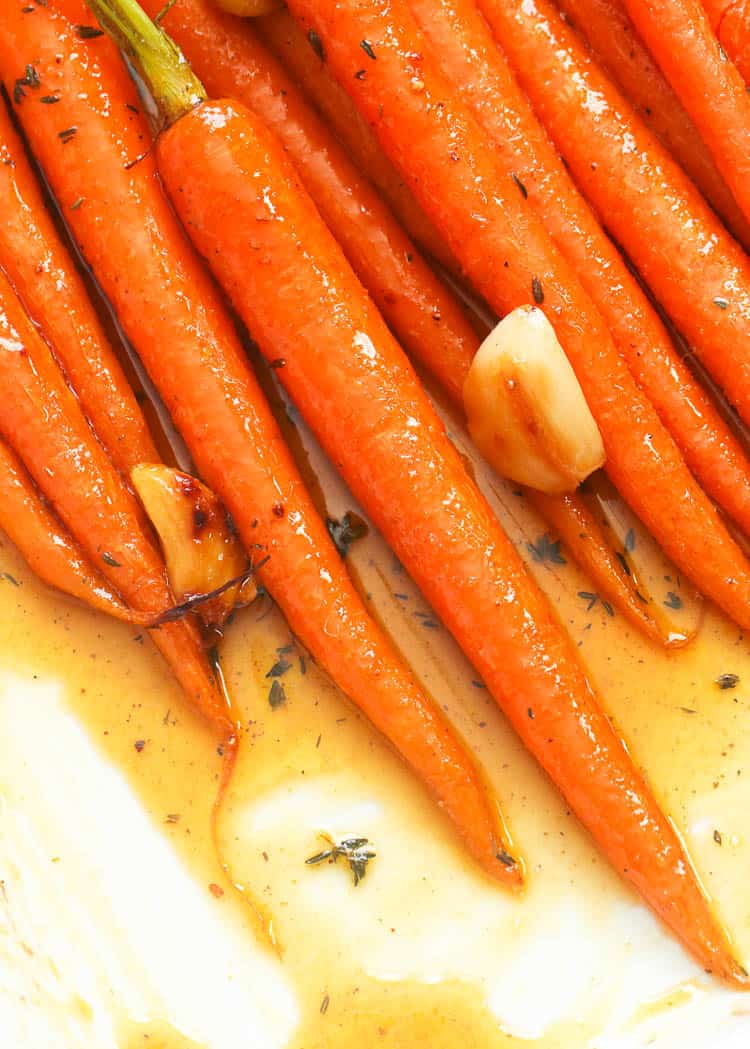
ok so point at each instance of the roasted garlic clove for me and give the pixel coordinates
(526, 410)
(201, 550)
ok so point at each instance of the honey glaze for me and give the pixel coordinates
(122, 930)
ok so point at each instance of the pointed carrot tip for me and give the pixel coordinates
(508, 869)
(735, 974)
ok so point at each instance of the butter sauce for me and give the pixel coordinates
(425, 951)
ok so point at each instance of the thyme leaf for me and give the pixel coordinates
(356, 851)
(545, 550)
(346, 531)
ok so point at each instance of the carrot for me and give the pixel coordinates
(511, 261)
(171, 311)
(364, 402)
(710, 87)
(428, 321)
(41, 419)
(38, 265)
(47, 547)
(698, 273)
(424, 315)
(616, 46)
(730, 21)
(461, 39)
(301, 58)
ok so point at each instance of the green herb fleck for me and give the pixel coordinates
(10, 578)
(717, 837)
(727, 681)
(673, 600)
(630, 541)
(545, 550)
(522, 188)
(279, 668)
(346, 531)
(90, 32)
(537, 291)
(49, 100)
(356, 851)
(67, 134)
(368, 49)
(316, 44)
(324, 1004)
(721, 302)
(277, 695)
(108, 559)
(76, 204)
(589, 597)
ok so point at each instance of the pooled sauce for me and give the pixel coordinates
(123, 931)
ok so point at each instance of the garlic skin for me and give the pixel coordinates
(525, 408)
(200, 550)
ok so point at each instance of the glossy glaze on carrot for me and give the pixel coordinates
(468, 56)
(617, 47)
(730, 20)
(43, 422)
(46, 546)
(696, 270)
(45, 277)
(230, 59)
(177, 321)
(679, 36)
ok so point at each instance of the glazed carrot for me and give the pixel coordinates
(730, 21)
(696, 271)
(230, 59)
(710, 87)
(43, 274)
(425, 316)
(46, 546)
(511, 261)
(460, 38)
(43, 422)
(606, 27)
(360, 395)
(302, 60)
(171, 311)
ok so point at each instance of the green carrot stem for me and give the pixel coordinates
(163, 67)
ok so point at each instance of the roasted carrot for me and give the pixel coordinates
(170, 309)
(304, 61)
(697, 272)
(38, 265)
(461, 39)
(43, 422)
(606, 27)
(423, 313)
(510, 259)
(230, 59)
(710, 87)
(730, 21)
(46, 546)
(360, 395)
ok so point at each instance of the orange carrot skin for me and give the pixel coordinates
(508, 256)
(47, 547)
(730, 21)
(283, 37)
(461, 39)
(173, 315)
(710, 87)
(231, 61)
(364, 402)
(698, 273)
(606, 27)
(42, 420)
(43, 274)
